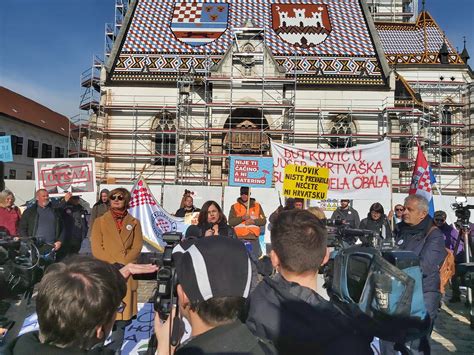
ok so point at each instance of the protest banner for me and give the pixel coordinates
(360, 172)
(250, 171)
(308, 182)
(6, 154)
(58, 176)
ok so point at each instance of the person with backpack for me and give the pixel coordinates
(418, 234)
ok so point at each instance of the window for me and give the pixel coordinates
(341, 132)
(446, 137)
(46, 151)
(33, 147)
(29, 175)
(58, 152)
(17, 145)
(12, 175)
(165, 140)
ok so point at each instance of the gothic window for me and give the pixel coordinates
(341, 132)
(165, 140)
(446, 137)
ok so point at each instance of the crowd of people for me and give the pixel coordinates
(230, 308)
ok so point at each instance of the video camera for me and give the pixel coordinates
(462, 211)
(165, 294)
(18, 262)
(340, 236)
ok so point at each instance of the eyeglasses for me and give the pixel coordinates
(437, 220)
(399, 209)
(121, 308)
(116, 197)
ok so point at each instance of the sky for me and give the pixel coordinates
(45, 45)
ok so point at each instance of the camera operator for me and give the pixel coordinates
(287, 308)
(346, 214)
(417, 233)
(76, 305)
(213, 281)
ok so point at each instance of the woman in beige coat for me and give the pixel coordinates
(117, 238)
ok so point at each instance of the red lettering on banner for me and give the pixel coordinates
(370, 182)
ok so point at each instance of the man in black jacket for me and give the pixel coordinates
(43, 222)
(346, 214)
(287, 309)
(75, 223)
(214, 277)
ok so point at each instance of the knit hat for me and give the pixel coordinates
(244, 190)
(213, 267)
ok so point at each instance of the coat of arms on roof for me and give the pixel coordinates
(199, 23)
(302, 25)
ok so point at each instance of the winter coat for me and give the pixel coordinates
(299, 321)
(348, 215)
(430, 248)
(233, 338)
(376, 225)
(109, 245)
(29, 223)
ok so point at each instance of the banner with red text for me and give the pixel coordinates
(360, 173)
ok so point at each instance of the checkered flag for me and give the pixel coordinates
(153, 218)
(423, 179)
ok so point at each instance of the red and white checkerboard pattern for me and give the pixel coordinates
(187, 12)
(141, 196)
(425, 182)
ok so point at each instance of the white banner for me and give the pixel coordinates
(358, 173)
(155, 221)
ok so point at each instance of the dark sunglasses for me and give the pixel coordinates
(438, 220)
(116, 197)
(399, 209)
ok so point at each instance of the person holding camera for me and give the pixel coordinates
(287, 308)
(346, 214)
(214, 277)
(377, 222)
(117, 239)
(76, 305)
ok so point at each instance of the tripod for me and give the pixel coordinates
(466, 269)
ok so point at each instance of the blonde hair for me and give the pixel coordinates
(318, 212)
(3, 197)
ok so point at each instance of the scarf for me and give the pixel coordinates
(118, 216)
(420, 230)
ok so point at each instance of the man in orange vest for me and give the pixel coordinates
(248, 220)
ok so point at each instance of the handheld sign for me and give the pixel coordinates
(250, 171)
(308, 182)
(6, 149)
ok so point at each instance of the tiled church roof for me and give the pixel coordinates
(153, 42)
(414, 43)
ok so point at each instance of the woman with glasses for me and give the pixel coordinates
(117, 238)
(211, 222)
(376, 221)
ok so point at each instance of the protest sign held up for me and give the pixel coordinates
(308, 182)
(249, 171)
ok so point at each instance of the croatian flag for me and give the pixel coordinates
(422, 180)
(199, 23)
(155, 221)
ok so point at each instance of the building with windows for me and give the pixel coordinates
(187, 84)
(35, 130)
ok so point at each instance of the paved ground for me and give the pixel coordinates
(452, 333)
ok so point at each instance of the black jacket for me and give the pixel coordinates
(430, 248)
(199, 230)
(376, 225)
(29, 343)
(29, 222)
(233, 338)
(182, 211)
(349, 216)
(299, 321)
(75, 223)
